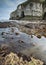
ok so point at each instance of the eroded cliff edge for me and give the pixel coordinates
(30, 10)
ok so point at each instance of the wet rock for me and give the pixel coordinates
(44, 35)
(26, 58)
(20, 55)
(36, 62)
(12, 29)
(39, 36)
(6, 24)
(12, 37)
(2, 60)
(2, 33)
(44, 64)
(31, 36)
(4, 50)
(17, 33)
(21, 41)
(13, 59)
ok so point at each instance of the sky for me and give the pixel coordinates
(7, 6)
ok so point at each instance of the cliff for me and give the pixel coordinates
(29, 10)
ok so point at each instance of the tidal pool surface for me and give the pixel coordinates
(21, 36)
(22, 41)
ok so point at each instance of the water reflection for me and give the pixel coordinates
(8, 33)
(23, 41)
(21, 36)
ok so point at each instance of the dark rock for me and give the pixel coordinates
(26, 58)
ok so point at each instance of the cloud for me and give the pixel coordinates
(10, 3)
(4, 14)
(20, 1)
(7, 6)
(13, 2)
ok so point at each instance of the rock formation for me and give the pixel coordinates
(29, 10)
(13, 59)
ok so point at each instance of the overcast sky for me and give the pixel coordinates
(7, 6)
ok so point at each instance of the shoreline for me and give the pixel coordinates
(20, 42)
(32, 28)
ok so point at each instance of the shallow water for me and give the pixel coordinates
(27, 43)
(22, 36)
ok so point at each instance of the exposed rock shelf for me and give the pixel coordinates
(14, 59)
(37, 28)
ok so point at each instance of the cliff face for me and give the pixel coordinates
(27, 9)
(44, 9)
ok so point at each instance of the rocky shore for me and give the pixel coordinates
(37, 28)
(10, 58)
(18, 59)
(17, 44)
(6, 24)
